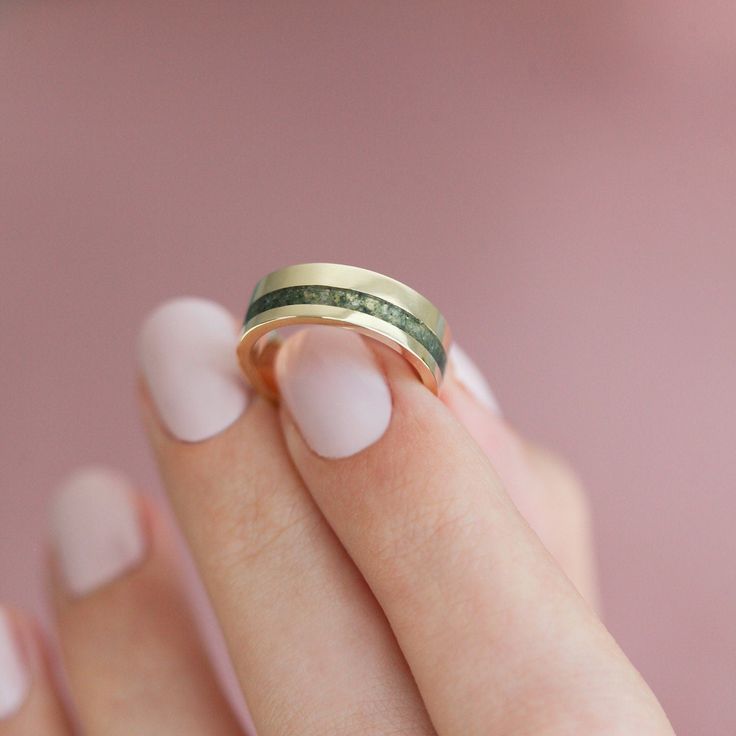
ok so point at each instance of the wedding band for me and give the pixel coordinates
(345, 296)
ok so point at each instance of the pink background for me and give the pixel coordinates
(559, 176)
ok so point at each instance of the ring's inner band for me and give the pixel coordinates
(357, 301)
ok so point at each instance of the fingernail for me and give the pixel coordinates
(96, 529)
(187, 352)
(15, 680)
(467, 373)
(332, 385)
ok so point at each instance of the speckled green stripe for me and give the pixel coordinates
(358, 301)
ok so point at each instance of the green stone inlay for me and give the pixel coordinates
(358, 301)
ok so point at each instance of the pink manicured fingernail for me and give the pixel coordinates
(15, 679)
(334, 389)
(187, 351)
(96, 529)
(467, 373)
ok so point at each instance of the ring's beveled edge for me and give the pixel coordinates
(359, 279)
(257, 328)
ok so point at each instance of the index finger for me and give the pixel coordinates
(496, 636)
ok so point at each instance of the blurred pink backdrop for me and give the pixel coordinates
(560, 177)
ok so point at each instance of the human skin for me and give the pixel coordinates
(381, 560)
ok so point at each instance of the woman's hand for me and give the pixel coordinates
(372, 553)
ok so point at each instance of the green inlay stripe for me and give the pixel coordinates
(358, 301)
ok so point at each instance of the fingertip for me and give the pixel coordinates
(186, 351)
(15, 662)
(335, 390)
(96, 528)
(123, 615)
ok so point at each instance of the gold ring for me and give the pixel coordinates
(345, 296)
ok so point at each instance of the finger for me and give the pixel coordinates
(497, 638)
(543, 488)
(569, 534)
(313, 652)
(29, 703)
(130, 647)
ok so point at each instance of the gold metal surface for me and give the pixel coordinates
(259, 340)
